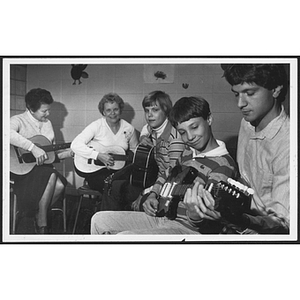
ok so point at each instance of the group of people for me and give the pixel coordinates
(185, 149)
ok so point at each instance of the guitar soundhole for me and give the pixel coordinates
(28, 158)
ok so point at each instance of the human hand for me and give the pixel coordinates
(146, 141)
(106, 159)
(65, 154)
(150, 205)
(39, 154)
(200, 203)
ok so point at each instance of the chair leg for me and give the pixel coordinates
(65, 214)
(77, 213)
(14, 221)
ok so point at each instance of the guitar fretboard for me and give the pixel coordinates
(50, 148)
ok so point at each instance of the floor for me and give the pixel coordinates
(25, 223)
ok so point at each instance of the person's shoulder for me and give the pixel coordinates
(19, 116)
(97, 122)
(126, 124)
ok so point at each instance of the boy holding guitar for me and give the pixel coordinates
(209, 161)
(37, 184)
(263, 152)
(160, 138)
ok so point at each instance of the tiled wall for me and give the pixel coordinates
(76, 105)
(17, 88)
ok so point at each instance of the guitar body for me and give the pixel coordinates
(86, 165)
(23, 161)
(145, 169)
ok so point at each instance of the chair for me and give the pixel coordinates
(86, 191)
(14, 212)
(63, 210)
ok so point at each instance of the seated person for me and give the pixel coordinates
(42, 186)
(263, 152)
(192, 118)
(158, 133)
(98, 139)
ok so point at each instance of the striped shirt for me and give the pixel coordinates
(264, 163)
(168, 149)
(213, 166)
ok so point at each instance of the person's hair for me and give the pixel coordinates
(187, 108)
(159, 97)
(111, 98)
(269, 76)
(36, 97)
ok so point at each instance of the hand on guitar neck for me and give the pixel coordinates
(210, 202)
(22, 161)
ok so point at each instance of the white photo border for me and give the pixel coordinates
(294, 79)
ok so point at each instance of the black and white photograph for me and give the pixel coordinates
(150, 149)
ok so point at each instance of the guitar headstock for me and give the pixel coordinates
(231, 196)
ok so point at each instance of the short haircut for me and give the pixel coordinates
(159, 97)
(269, 76)
(36, 97)
(111, 98)
(187, 108)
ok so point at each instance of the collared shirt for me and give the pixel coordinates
(264, 163)
(221, 150)
(213, 166)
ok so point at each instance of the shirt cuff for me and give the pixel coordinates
(195, 223)
(31, 147)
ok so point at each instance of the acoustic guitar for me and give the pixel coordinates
(88, 165)
(145, 169)
(230, 196)
(23, 161)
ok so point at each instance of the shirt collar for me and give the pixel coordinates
(271, 129)
(33, 119)
(219, 151)
(159, 131)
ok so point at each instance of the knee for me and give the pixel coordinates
(59, 187)
(98, 223)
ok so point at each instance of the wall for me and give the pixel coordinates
(17, 88)
(76, 105)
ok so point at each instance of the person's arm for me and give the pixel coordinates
(16, 139)
(145, 137)
(199, 202)
(133, 140)
(80, 144)
(276, 216)
(174, 153)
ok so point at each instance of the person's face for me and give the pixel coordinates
(255, 102)
(42, 113)
(196, 132)
(154, 115)
(112, 112)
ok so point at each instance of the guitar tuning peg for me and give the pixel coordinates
(250, 191)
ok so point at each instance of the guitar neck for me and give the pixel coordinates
(179, 190)
(120, 157)
(50, 148)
